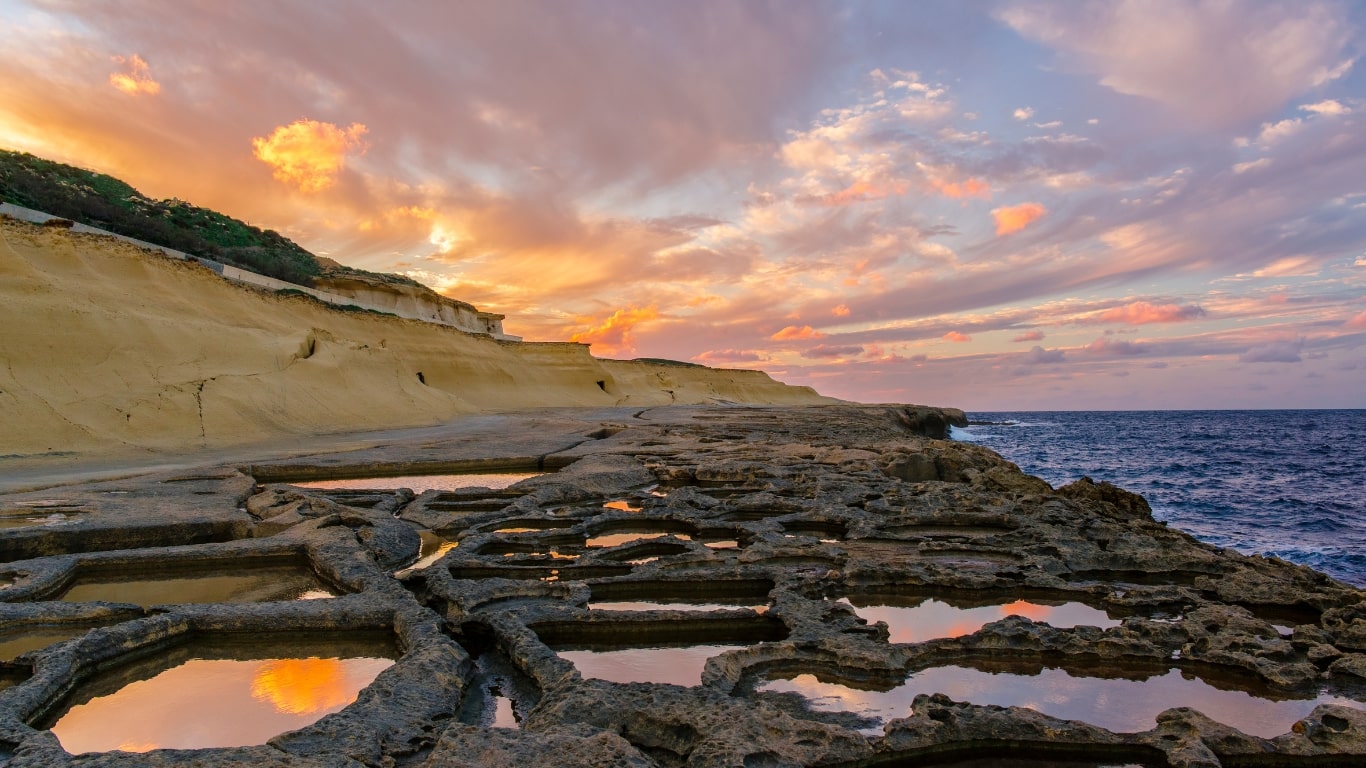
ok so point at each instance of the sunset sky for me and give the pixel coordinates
(992, 205)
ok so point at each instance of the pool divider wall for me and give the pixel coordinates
(49, 578)
(30, 543)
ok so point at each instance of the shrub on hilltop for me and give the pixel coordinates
(107, 203)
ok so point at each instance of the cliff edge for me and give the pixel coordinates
(109, 349)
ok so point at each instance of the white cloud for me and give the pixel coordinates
(1023, 113)
(1216, 61)
(1252, 165)
(1327, 107)
(1048, 125)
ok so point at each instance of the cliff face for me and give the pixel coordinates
(107, 349)
(411, 301)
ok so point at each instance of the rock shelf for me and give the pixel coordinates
(498, 604)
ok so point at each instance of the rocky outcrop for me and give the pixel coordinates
(770, 533)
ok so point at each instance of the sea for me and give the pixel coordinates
(1283, 483)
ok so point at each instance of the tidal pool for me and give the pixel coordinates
(929, 618)
(213, 702)
(247, 584)
(626, 537)
(674, 665)
(679, 604)
(20, 641)
(621, 505)
(1117, 704)
(421, 483)
(434, 546)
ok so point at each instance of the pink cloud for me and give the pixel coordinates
(1029, 336)
(1108, 346)
(840, 311)
(1143, 313)
(793, 332)
(1356, 322)
(970, 187)
(728, 356)
(956, 336)
(1016, 217)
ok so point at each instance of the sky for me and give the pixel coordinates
(1048, 205)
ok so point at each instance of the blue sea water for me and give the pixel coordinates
(1283, 483)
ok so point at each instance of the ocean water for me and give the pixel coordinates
(1283, 483)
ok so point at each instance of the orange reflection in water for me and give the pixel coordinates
(932, 618)
(1031, 611)
(301, 686)
(216, 703)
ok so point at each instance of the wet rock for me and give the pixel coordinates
(816, 504)
(565, 746)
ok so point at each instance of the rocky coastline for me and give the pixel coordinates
(792, 520)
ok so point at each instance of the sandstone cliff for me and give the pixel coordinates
(106, 348)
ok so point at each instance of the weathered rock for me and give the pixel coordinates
(792, 518)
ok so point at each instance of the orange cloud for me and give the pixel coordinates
(1142, 313)
(840, 311)
(1029, 336)
(968, 188)
(308, 153)
(956, 336)
(792, 332)
(1016, 217)
(614, 336)
(137, 80)
(861, 191)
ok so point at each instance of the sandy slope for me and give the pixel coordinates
(108, 349)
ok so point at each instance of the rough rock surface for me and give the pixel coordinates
(786, 518)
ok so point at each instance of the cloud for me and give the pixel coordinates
(793, 332)
(1214, 61)
(1029, 336)
(1290, 266)
(309, 154)
(728, 356)
(1252, 165)
(138, 78)
(1108, 346)
(1039, 356)
(1023, 113)
(822, 351)
(615, 335)
(1274, 352)
(1143, 313)
(967, 188)
(1327, 107)
(841, 310)
(957, 337)
(1016, 217)
(1358, 322)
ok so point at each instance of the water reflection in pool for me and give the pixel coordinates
(626, 537)
(1120, 705)
(434, 546)
(247, 584)
(713, 604)
(421, 483)
(677, 665)
(216, 703)
(931, 618)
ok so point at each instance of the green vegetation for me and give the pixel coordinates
(105, 202)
